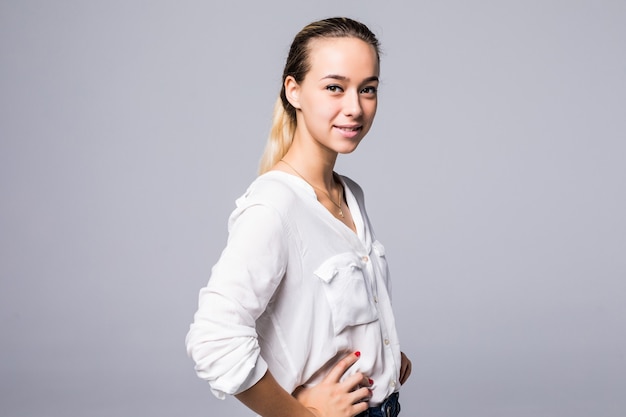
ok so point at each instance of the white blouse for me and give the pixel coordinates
(294, 291)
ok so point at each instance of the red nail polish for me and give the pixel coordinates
(371, 381)
(357, 354)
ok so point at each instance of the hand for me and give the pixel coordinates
(405, 368)
(331, 398)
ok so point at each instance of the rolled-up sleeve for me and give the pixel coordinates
(222, 340)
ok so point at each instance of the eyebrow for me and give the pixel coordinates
(344, 78)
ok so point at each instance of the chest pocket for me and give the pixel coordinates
(347, 290)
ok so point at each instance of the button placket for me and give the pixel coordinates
(371, 276)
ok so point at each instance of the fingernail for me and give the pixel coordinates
(357, 353)
(371, 381)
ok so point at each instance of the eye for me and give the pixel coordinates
(369, 90)
(333, 88)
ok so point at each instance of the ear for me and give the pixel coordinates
(292, 91)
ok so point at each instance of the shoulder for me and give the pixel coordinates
(272, 189)
(265, 203)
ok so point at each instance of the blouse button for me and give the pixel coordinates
(386, 341)
(365, 259)
(375, 299)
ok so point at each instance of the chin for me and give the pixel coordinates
(344, 150)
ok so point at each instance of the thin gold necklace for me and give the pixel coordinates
(317, 188)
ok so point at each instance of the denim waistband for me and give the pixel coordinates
(389, 408)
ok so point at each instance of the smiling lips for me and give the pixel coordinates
(349, 131)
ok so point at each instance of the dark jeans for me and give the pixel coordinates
(389, 408)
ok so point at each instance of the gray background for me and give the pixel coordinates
(495, 175)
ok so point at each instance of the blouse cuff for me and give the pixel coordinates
(256, 373)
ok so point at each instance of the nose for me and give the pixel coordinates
(352, 105)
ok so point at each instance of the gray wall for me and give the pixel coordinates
(495, 175)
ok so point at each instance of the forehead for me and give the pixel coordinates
(350, 57)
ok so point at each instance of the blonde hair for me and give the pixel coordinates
(297, 66)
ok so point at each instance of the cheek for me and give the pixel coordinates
(311, 102)
(369, 111)
(325, 110)
(329, 111)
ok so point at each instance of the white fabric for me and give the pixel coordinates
(294, 291)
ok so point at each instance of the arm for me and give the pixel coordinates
(267, 398)
(330, 398)
(222, 340)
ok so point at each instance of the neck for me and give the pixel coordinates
(315, 165)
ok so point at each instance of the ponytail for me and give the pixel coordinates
(280, 137)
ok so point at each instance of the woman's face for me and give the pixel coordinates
(336, 101)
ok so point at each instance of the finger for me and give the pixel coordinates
(342, 366)
(365, 380)
(359, 395)
(358, 408)
(354, 382)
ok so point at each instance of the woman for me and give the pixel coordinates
(296, 318)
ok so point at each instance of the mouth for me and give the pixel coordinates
(354, 128)
(349, 131)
